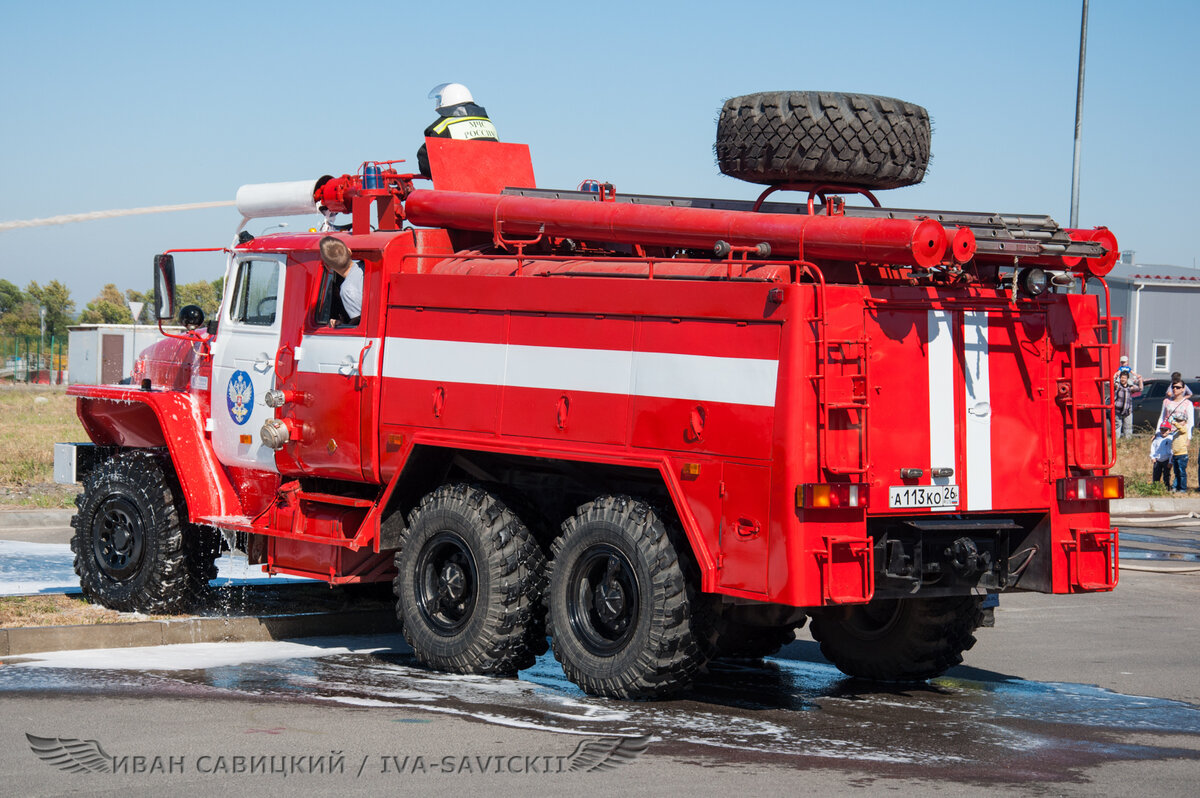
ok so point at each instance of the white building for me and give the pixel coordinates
(104, 354)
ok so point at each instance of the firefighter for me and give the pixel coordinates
(337, 258)
(458, 118)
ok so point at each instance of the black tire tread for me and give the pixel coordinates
(673, 656)
(928, 639)
(750, 642)
(167, 584)
(823, 137)
(514, 631)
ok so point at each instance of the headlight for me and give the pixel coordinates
(1032, 281)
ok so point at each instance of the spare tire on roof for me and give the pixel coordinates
(823, 137)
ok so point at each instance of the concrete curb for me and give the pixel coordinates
(36, 639)
(1155, 504)
(34, 519)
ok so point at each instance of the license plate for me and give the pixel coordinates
(906, 496)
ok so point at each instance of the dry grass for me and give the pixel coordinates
(58, 610)
(234, 601)
(1133, 462)
(32, 419)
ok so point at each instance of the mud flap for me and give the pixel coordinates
(847, 570)
(1092, 559)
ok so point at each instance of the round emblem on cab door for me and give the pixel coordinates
(240, 397)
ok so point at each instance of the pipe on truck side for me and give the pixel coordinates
(911, 242)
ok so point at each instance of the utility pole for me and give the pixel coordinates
(1078, 117)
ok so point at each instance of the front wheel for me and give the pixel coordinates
(898, 640)
(129, 545)
(621, 605)
(469, 581)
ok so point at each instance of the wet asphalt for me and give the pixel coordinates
(1078, 695)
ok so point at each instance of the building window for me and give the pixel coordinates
(1162, 356)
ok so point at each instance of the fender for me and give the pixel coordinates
(118, 415)
(666, 467)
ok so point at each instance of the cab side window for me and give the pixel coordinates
(255, 293)
(330, 309)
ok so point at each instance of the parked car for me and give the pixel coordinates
(1148, 406)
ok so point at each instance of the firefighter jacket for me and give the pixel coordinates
(466, 121)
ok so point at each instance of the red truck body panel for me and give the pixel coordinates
(734, 383)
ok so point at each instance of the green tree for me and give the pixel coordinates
(206, 295)
(10, 297)
(60, 308)
(107, 308)
(23, 320)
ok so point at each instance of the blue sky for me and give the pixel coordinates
(122, 105)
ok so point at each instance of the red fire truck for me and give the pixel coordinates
(646, 430)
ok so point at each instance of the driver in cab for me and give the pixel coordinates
(348, 280)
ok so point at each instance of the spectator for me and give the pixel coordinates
(1177, 401)
(1160, 455)
(1135, 380)
(1123, 405)
(1177, 377)
(1182, 436)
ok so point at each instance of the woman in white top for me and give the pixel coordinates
(1178, 399)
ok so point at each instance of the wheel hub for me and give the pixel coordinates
(447, 583)
(117, 538)
(121, 538)
(452, 584)
(603, 604)
(609, 600)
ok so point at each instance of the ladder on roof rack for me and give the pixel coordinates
(1016, 235)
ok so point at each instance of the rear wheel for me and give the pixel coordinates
(131, 553)
(469, 583)
(898, 640)
(621, 605)
(750, 642)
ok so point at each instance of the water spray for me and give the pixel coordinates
(113, 214)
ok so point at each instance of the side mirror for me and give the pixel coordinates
(164, 286)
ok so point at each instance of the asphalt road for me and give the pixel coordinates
(1067, 695)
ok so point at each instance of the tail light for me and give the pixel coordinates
(1086, 489)
(829, 495)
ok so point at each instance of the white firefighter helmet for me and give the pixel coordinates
(445, 95)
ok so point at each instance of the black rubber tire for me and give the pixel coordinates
(823, 137)
(494, 625)
(732, 641)
(130, 551)
(651, 647)
(898, 640)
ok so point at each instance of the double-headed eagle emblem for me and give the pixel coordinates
(240, 397)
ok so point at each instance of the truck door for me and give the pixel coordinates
(336, 364)
(244, 360)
